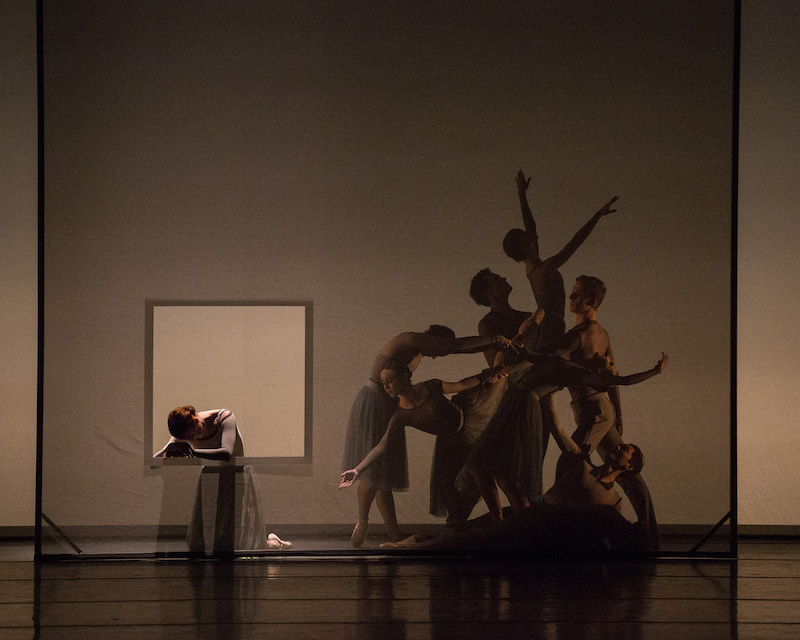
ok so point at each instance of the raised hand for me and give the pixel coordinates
(662, 364)
(606, 208)
(522, 182)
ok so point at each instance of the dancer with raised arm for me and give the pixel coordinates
(546, 281)
(370, 414)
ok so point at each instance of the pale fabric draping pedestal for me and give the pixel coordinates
(226, 516)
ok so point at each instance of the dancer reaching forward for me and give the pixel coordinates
(372, 409)
(422, 406)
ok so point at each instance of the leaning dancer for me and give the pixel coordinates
(370, 416)
(422, 406)
(213, 434)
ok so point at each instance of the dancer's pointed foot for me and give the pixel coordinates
(359, 534)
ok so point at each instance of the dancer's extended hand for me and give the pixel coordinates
(522, 182)
(606, 208)
(662, 364)
(348, 478)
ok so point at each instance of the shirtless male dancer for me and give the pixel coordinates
(492, 290)
(597, 412)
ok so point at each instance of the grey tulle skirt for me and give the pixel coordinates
(369, 417)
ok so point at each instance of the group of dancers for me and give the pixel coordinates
(491, 436)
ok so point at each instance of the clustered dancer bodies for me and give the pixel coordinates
(493, 433)
(372, 410)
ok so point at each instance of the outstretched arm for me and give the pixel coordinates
(636, 378)
(558, 260)
(473, 381)
(554, 370)
(349, 476)
(429, 345)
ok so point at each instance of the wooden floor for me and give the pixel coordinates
(324, 598)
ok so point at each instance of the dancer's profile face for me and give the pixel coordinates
(497, 284)
(393, 382)
(577, 300)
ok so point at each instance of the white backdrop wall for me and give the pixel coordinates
(769, 234)
(18, 223)
(769, 70)
(362, 157)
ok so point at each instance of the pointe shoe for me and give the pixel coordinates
(359, 535)
(282, 544)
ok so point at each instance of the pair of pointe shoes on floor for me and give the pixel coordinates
(274, 542)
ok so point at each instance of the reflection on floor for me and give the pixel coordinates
(400, 596)
(310, 539)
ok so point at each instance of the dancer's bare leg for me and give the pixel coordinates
(489, 493)
(385, 501)
(366, 496)
(513, 492)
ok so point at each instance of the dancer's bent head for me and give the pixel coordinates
(628, 457)
(182, 422)
(516, 244)
(593, 290)
(395, 376)
(440, 331)
(636, 462)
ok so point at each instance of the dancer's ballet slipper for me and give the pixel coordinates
(359, 535)
(284, 544)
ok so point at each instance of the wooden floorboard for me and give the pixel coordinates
(755, 596)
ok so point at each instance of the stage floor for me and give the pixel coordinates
(373, 596)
